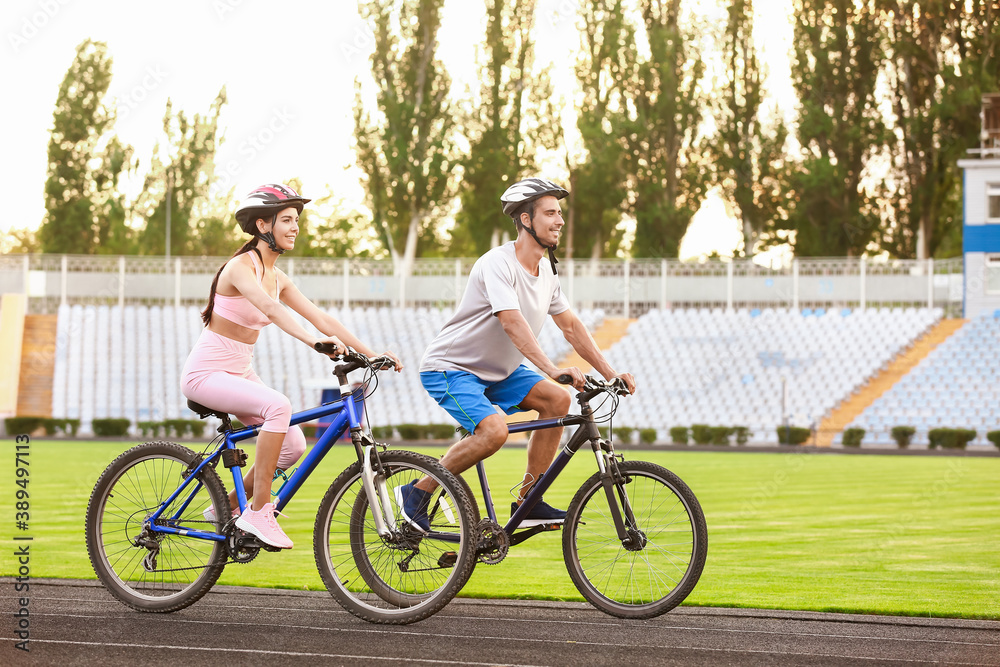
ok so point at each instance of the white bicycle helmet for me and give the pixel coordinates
(527, 190)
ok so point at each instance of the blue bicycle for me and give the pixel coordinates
(156, 547)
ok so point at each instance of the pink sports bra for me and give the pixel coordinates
(238, 309)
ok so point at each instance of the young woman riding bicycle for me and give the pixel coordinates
(247, 295)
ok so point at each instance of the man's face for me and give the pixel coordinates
(548, 221)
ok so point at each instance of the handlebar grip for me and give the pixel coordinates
(325, 348)
(565, 378)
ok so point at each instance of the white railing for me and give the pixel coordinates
(620, 287)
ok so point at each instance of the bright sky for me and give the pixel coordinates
(289, 70)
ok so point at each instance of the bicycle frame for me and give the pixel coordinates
(346, 413)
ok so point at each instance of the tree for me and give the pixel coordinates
(748, 152)
(940, 57)
(503, 131)
(84, 210)
(661, 137)
(405, 145)
(184, 173)
(837, 57)
(598, 182)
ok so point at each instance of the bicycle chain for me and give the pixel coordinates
(226, 544)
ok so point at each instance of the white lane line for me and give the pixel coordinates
(539, 622)
(266, 652)
(493, 664)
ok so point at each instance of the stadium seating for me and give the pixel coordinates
(126, 362)
(956, 385)
(714, 367)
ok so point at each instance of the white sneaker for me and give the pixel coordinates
(263, 526)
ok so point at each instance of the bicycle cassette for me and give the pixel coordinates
(494, 543)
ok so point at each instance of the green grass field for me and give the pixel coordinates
(908, 535)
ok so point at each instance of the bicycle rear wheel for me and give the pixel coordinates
(405, 576)
(659, 566)
(150, 571)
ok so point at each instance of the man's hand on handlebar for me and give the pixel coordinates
(628, 380)
(571, 375)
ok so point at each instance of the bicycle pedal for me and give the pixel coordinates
(447, 559)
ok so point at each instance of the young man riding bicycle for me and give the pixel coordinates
(475, 362)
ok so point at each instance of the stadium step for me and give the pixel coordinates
(612, 330)
(38, 358)
(854, 405)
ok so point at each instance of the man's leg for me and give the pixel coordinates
(490, 436)
(550, 401)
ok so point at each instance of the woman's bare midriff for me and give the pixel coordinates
(230, 329)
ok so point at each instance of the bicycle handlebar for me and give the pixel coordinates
(354, 359)
(592, 386)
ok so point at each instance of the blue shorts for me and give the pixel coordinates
(470, 400)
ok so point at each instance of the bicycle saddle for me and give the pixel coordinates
(203, 412)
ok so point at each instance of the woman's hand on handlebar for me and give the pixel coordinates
(339, 347)
(398, 364)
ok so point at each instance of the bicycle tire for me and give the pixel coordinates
(129, 490)
(364, 572)
(654, 579)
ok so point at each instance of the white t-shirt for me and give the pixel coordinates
(473, 340)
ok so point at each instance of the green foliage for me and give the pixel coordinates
(404, 147)
(903, 435)
(950, 438)
(793, 435)
(623, 434)
(720, 434)
(742, 434)
(994, 437)
(84, 211)
(150, 429)
(604, 431)
(383, 432)
(511, 100)
(837, 56)
(410, 431)
(23, 425)
(748, 154)
(110, 427)
(701, 434)
(647, 436)
(440, 431)
(679, 435)
(853, 437)
(183, 176)
(60, 426)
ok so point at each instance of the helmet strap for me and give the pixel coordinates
(268, 237)
(551, 248)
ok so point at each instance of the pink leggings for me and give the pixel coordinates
(218, 375)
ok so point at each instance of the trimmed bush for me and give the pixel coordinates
(605, 431)
(149, 429)
(853, 437)
(382, 432)
(679, 435)
(701, 434)
(111, 427)
(55, 426)
(441, 432)
(903, 435)
(742, 434)
(994, 437)
(624, 433)
(720, 434)
(309, 430)
(793, 435)
(410, 431)
(950, 438)
(23, 425)
(647, 436)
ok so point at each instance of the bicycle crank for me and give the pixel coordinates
(494, 543)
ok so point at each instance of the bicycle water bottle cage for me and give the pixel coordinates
(234, 457)
(283, 475)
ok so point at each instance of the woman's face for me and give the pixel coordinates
(286, 228)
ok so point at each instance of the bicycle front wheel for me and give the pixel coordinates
(406, 575)
(658, 564)
(146, 570)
